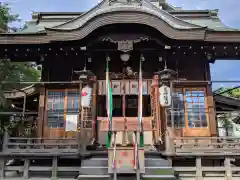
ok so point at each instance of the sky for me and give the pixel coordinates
(229, 13)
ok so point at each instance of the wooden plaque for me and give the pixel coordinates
(133, 89)
(116, 87)
(118, 123)
(133, 124)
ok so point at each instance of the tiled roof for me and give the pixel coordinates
(201, 18)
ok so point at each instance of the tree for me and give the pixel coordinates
(226, 119)
(229, 92)
(6, 17)
(12, 71)
(226, 122)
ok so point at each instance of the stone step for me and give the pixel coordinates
(163, 177)
(159, 162)
(104, 162)
(101, 170)
(89, 177)
(159, 170)
(95, 170)
(95, 162)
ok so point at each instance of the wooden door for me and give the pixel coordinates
(196, 112)
(71, 112)
(54, 114)
(61, 106)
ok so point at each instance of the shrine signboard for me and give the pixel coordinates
(129, 87)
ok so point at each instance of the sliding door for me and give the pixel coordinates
(190, 111)
(62, 113)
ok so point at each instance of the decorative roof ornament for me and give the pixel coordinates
(125, 2)
(126, 45)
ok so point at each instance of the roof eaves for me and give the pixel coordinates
(23, 33)
(93, 9)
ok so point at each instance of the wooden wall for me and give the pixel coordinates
(194, 68)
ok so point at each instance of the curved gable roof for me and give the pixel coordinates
(145, 7)
(172, 25)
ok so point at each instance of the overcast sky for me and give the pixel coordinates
(229, 12)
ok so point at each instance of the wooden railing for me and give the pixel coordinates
(206, 146)
(37, 146)
(226, 172)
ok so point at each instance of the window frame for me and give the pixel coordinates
(65, 105)
(184, 90)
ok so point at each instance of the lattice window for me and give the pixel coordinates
(61, 104)
(196, 108)
(55, 109)
(72, 101)
(176, 115)
(188, 108)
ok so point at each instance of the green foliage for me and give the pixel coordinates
(226, 121)
(12, 71)
(229, 92)
(6, 17)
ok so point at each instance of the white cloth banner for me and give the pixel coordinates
(236, 130)
(71, 123)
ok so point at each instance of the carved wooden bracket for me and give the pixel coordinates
(125, 45)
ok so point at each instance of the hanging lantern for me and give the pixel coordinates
(165, 96)
(86, 96)
(165, 77)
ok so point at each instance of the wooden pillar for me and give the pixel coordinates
(125, 140)
(228, 170)
(169, 144)
(54, 168)
(170, 161)
(94, 109)
(41, 110)
(26, 168)
(199, 168)
(2, 159)
(210, 102)
(155, 86)
(80, 121)
(2, 167)
(5, 142)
